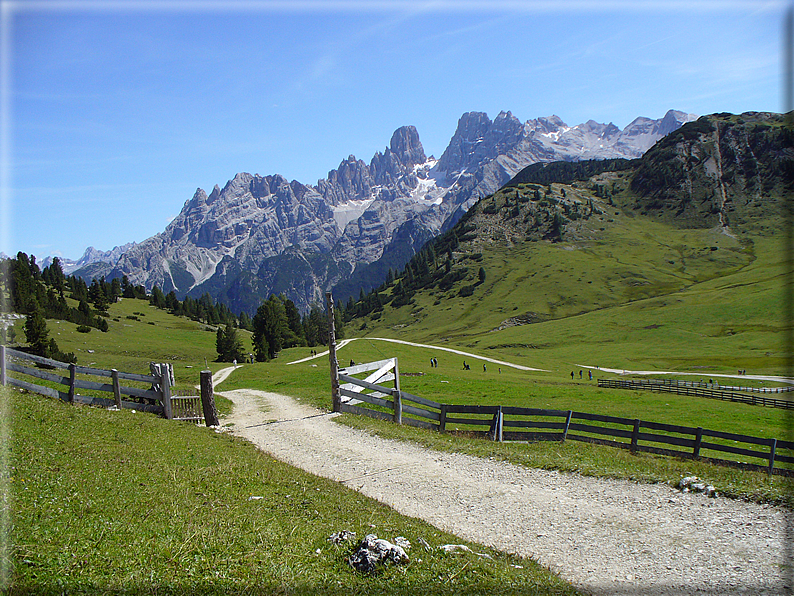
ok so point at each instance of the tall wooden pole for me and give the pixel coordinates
(165, 387)
(208, 399)
(336, 398)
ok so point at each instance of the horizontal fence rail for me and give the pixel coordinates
(698, 390)
(157, 401)
(502, 423)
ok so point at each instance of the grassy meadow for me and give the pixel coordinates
(106, 502)
(112, 502)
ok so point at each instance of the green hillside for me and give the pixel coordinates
(607, 268)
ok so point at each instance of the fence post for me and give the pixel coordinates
(772, 447)
(165, 387)
(114, 374)
(398, 405)
(494, 430)
(208, 399)
(396, 374)
(567, 424)
(500, 425)
(442, 419)
(72, 378)
(336, 398)
(698, 440)
(3, 366)
(635, 436)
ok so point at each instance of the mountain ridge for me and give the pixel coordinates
(602, 232)
(353, 216)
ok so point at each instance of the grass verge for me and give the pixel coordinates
(122, 502)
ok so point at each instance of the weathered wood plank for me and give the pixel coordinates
(143, 393)
(137, 377)
(370, 399)
(365, 384)
(93, 385)
(420, 412)
(516, 411)
(11, 353)
(48, 391)
(421, 400)
(366, 367)
(96, 372)
(419, 423)
(465, 409)
(533, 424)
(365, 412)
(353, 394)
(38, 373)
(99, 372)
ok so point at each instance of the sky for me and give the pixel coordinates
(113, 113)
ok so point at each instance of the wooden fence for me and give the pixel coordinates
(505, 423)
(186, 406)
(157, 399)
(698, 390)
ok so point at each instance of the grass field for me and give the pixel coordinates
(114, 501)
(122, 502)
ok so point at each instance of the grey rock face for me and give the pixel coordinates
(352, 216)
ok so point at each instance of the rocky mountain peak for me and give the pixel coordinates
(361, 219)
(478, 139)
(405, 145)
(213, 196)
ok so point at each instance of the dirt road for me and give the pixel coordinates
(604, 536)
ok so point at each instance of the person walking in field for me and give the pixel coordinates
(571, 375)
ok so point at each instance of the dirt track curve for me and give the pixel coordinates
(604, 536)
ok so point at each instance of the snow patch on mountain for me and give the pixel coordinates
(344, 213)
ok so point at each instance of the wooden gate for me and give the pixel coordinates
(187, 407)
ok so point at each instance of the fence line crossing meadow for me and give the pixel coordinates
(159, 397)
(507, 423)
(709, 391)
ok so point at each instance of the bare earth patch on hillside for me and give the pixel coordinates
(604, 536)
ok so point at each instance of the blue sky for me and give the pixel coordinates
(114, 112)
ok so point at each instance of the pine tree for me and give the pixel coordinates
(228, 344)
(157, 298)
(271, 330)
(36, 333)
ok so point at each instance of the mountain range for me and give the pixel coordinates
(562, 239)
(90, 257)
(260, 235)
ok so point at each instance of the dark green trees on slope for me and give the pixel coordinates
(228, 344)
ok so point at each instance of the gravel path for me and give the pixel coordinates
(604, 536)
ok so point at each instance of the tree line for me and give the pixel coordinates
(42, 294)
